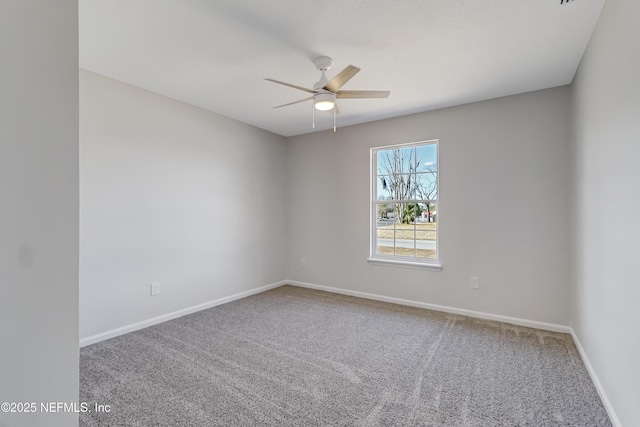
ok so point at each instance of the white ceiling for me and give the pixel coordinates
(430, 54)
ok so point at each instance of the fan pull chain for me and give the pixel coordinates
(334, 118)
(313, 116)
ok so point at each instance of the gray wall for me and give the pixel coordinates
(504, 207)
(175, 194)
(39, 208)
(606, 105)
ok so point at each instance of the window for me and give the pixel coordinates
(404, 204)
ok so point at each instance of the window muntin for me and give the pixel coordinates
(404, 203)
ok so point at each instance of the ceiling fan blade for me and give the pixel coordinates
(354, 94)
(295, 102)
(341, 78)
(293, 86)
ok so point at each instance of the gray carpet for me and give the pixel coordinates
(298, 357)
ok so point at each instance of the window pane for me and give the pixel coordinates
(426, 243)
(408, 212)
(385, 162)
(384, 187)
(426, 232)
(384, 243)
(405, 162)
(427, 158)
(427, 186)
(427, 214)
(385, 214)
(385, 228)
(423, 214)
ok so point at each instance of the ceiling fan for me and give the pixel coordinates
(325, 91)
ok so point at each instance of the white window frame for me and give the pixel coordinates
(399, 260)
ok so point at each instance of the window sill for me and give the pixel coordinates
(404, 264)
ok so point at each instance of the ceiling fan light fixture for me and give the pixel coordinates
(324, 101)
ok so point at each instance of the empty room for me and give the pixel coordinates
(302, 213)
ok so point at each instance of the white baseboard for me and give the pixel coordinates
(596, 381)
(463, 312)
(173, 315)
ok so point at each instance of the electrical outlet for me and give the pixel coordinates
(474, 283)
(155, 288)
(303, 262)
